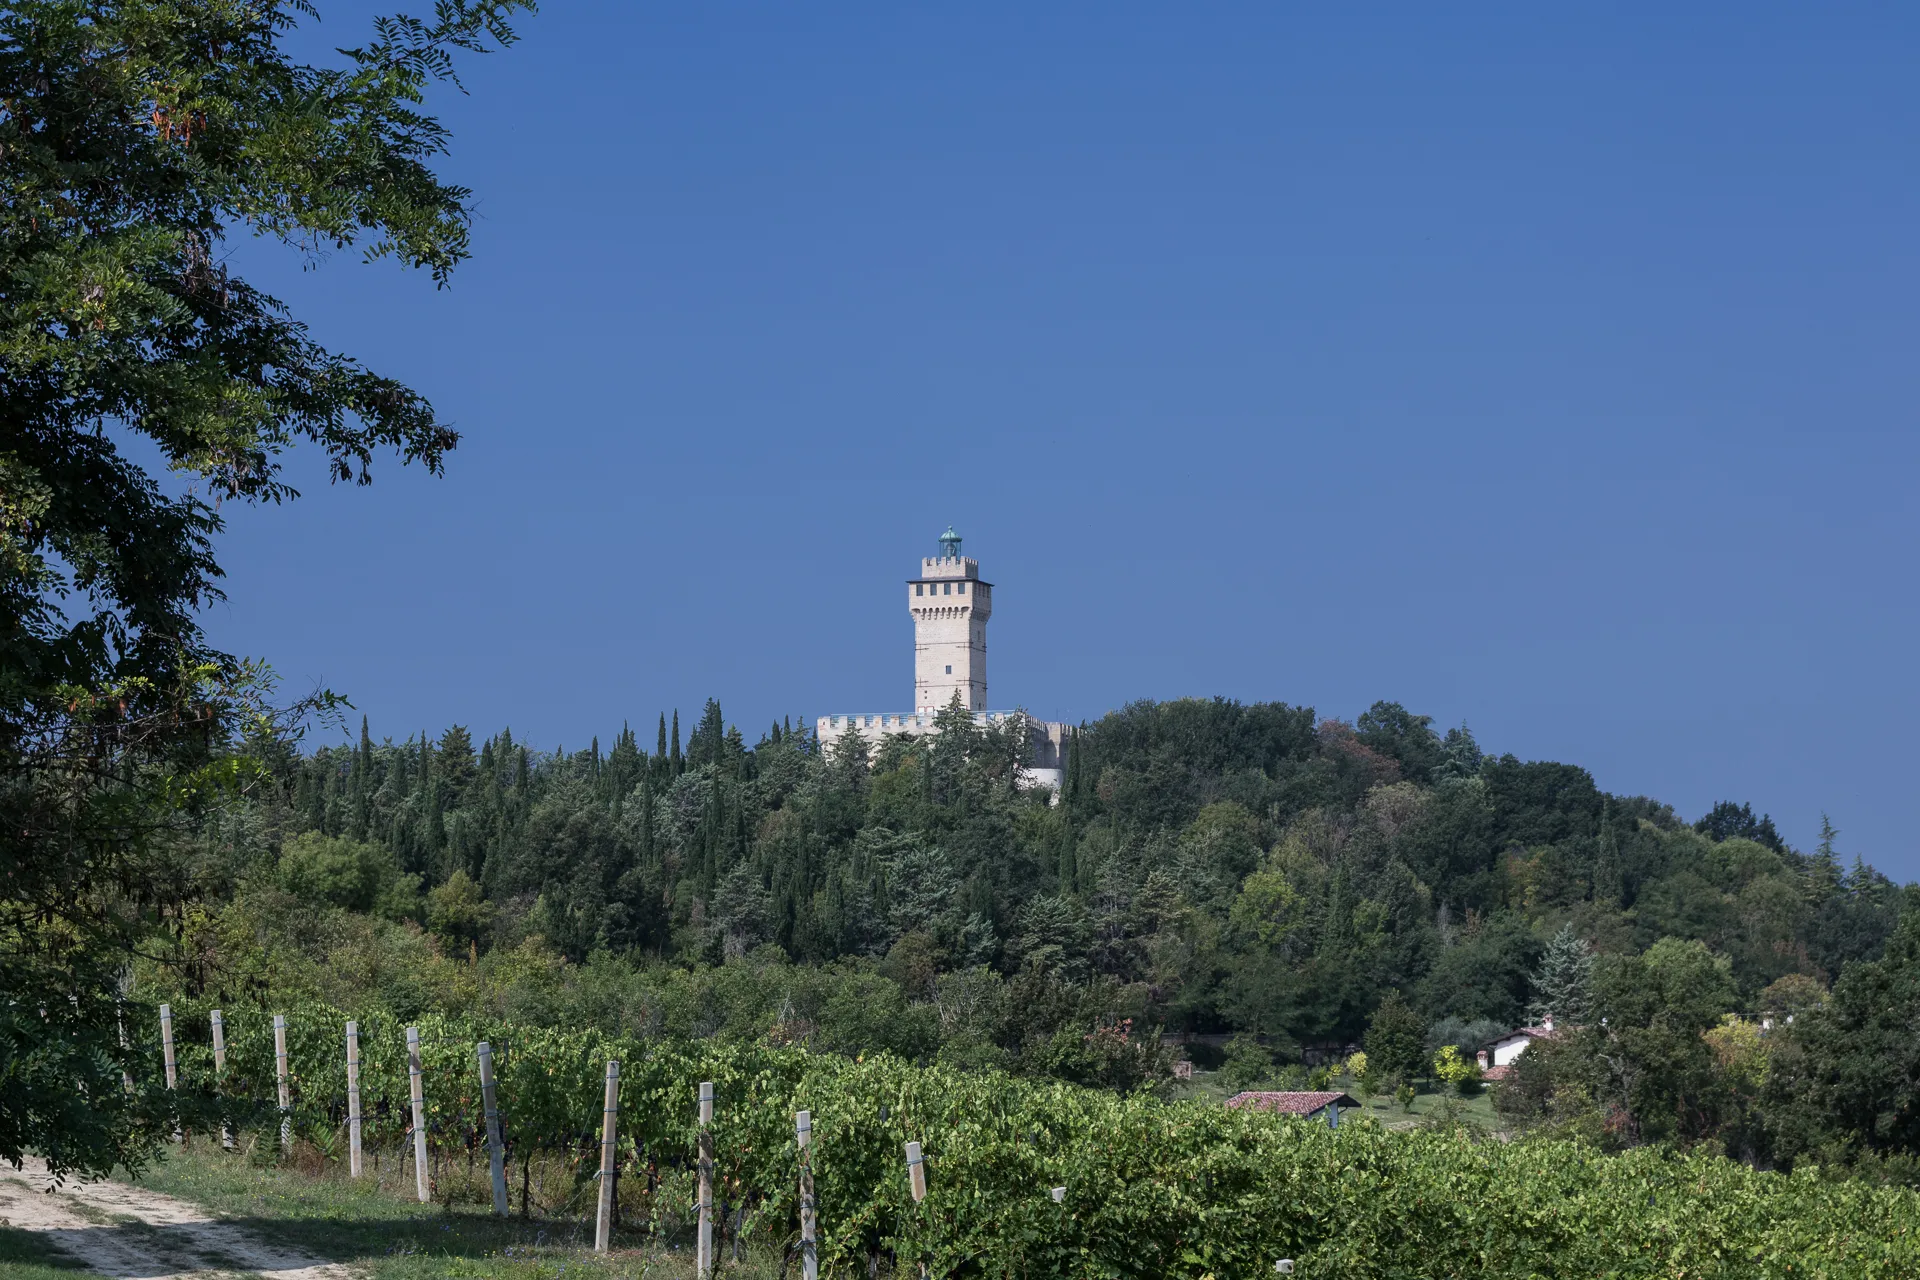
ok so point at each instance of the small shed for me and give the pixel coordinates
(1308, 1103)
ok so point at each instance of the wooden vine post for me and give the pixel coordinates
(167, 1059)
(609, 1139)
(353, 1100)
(280, 1075)
(703, 1247)
(917, 1179)
(420, 1185)
(120, 1025)
(809, 1249)
(219, 1021)
(917, 1172)
(166, 1045)
(496, 1152)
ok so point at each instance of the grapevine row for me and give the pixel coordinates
(1152, 1188)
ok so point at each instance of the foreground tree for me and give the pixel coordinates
(1848, 1079)
(134, 136)
(1396, 1041)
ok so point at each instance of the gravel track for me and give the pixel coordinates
(128, 1231)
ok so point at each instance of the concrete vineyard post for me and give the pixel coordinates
(703, 1249)
(496, 1152)
(219, 1021)
(353, 1100)
(609, 1140)
(280, 1075)
(419, 1116)
(809, 1250)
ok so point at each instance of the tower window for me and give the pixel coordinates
(949, 588)
(963, 588)
(949, 668)
(919, 588)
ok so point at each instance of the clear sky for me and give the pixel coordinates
(1552, 372)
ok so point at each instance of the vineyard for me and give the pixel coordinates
(1151, 1188)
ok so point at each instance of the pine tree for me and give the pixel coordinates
(1563, 984)
(625, 765)
(1824, 875)
(706, 744)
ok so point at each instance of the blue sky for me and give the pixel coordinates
(1551, 372)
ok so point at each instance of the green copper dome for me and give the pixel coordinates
(950, 544)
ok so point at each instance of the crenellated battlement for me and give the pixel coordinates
(949, 567)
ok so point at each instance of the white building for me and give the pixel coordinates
(950, 605)
(1510, 1046)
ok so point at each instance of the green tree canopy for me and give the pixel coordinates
(1396, 1040)
(135, 137)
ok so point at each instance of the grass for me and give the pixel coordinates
(1476, 1112)
(24, 1255)
(386, 1234)
(1430, 1104)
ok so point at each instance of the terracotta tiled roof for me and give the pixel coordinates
(1293, 1104)
(1495, 1074)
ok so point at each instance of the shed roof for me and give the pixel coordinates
(1293, 1104)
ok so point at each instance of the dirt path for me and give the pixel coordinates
(126, 1231)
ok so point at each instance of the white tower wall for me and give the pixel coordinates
(950, 607)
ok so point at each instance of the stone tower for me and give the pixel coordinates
(950, 606)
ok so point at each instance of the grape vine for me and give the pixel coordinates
(1152, 1188)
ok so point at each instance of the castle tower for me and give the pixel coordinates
(950, 606)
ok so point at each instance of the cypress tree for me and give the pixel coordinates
(679, 761)
(360, 785)
(646, 822)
